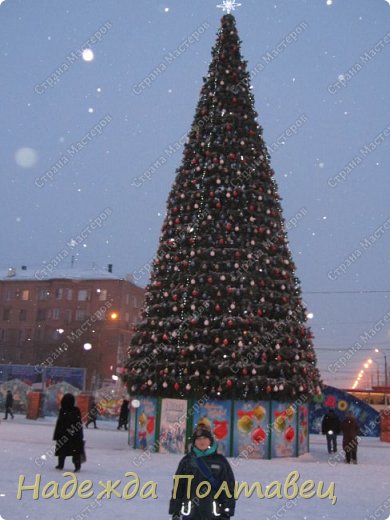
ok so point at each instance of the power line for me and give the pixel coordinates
(362, 291)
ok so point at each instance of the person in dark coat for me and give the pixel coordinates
(205, 464)
(69, 433)
(9, 402)
(331, 428)
(123, 415)
(350, 429)
(92, 415)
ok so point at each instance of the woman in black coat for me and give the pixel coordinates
(123, 415)
(69, 433)
(205, 464)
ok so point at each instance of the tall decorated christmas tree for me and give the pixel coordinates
(223, 314)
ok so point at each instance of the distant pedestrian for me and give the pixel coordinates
(123, 415)
(350, 429)
(92, 415)
(69, 433)
(9, 402)
(331, 428)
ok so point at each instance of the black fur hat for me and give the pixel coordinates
(202, 431)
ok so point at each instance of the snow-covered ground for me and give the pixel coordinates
(27, 449)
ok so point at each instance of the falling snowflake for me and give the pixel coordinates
(88, 55)
(229, 6)
(26, 157)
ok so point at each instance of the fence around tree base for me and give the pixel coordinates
(248, 429)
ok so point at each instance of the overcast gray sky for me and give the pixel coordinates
(80, 136)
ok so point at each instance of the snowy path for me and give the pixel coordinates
(361, 490)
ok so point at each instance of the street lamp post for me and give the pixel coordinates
(386, 372)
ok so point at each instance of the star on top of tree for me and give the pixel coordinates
(230, 5)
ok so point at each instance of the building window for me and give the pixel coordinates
(23, 315)
(102, 294)
(127, 299)
(41, 314)
(135, 301)
(55, 314)
(59, 293)
(69, 294)
(83, 295)
(27, 335)
(81, 314)
(43, 294)
(8, 295)
(11, 336)
(6, 314)
(25, 295)
(57, 333)
(68, 315)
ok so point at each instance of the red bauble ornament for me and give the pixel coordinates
(226, 342)
(244, 372)
(258, 435)
(218, 308)
(210, 279)
(176, 386)
(289, 434)
(229, 226)
(229, 383)
(259, 312)
(220, 429)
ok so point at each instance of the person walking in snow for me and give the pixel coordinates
(205, 465)
(92, 415)
(123, 415)
(350, 429)
(331, 428)
(69, 433)
(9, 402)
